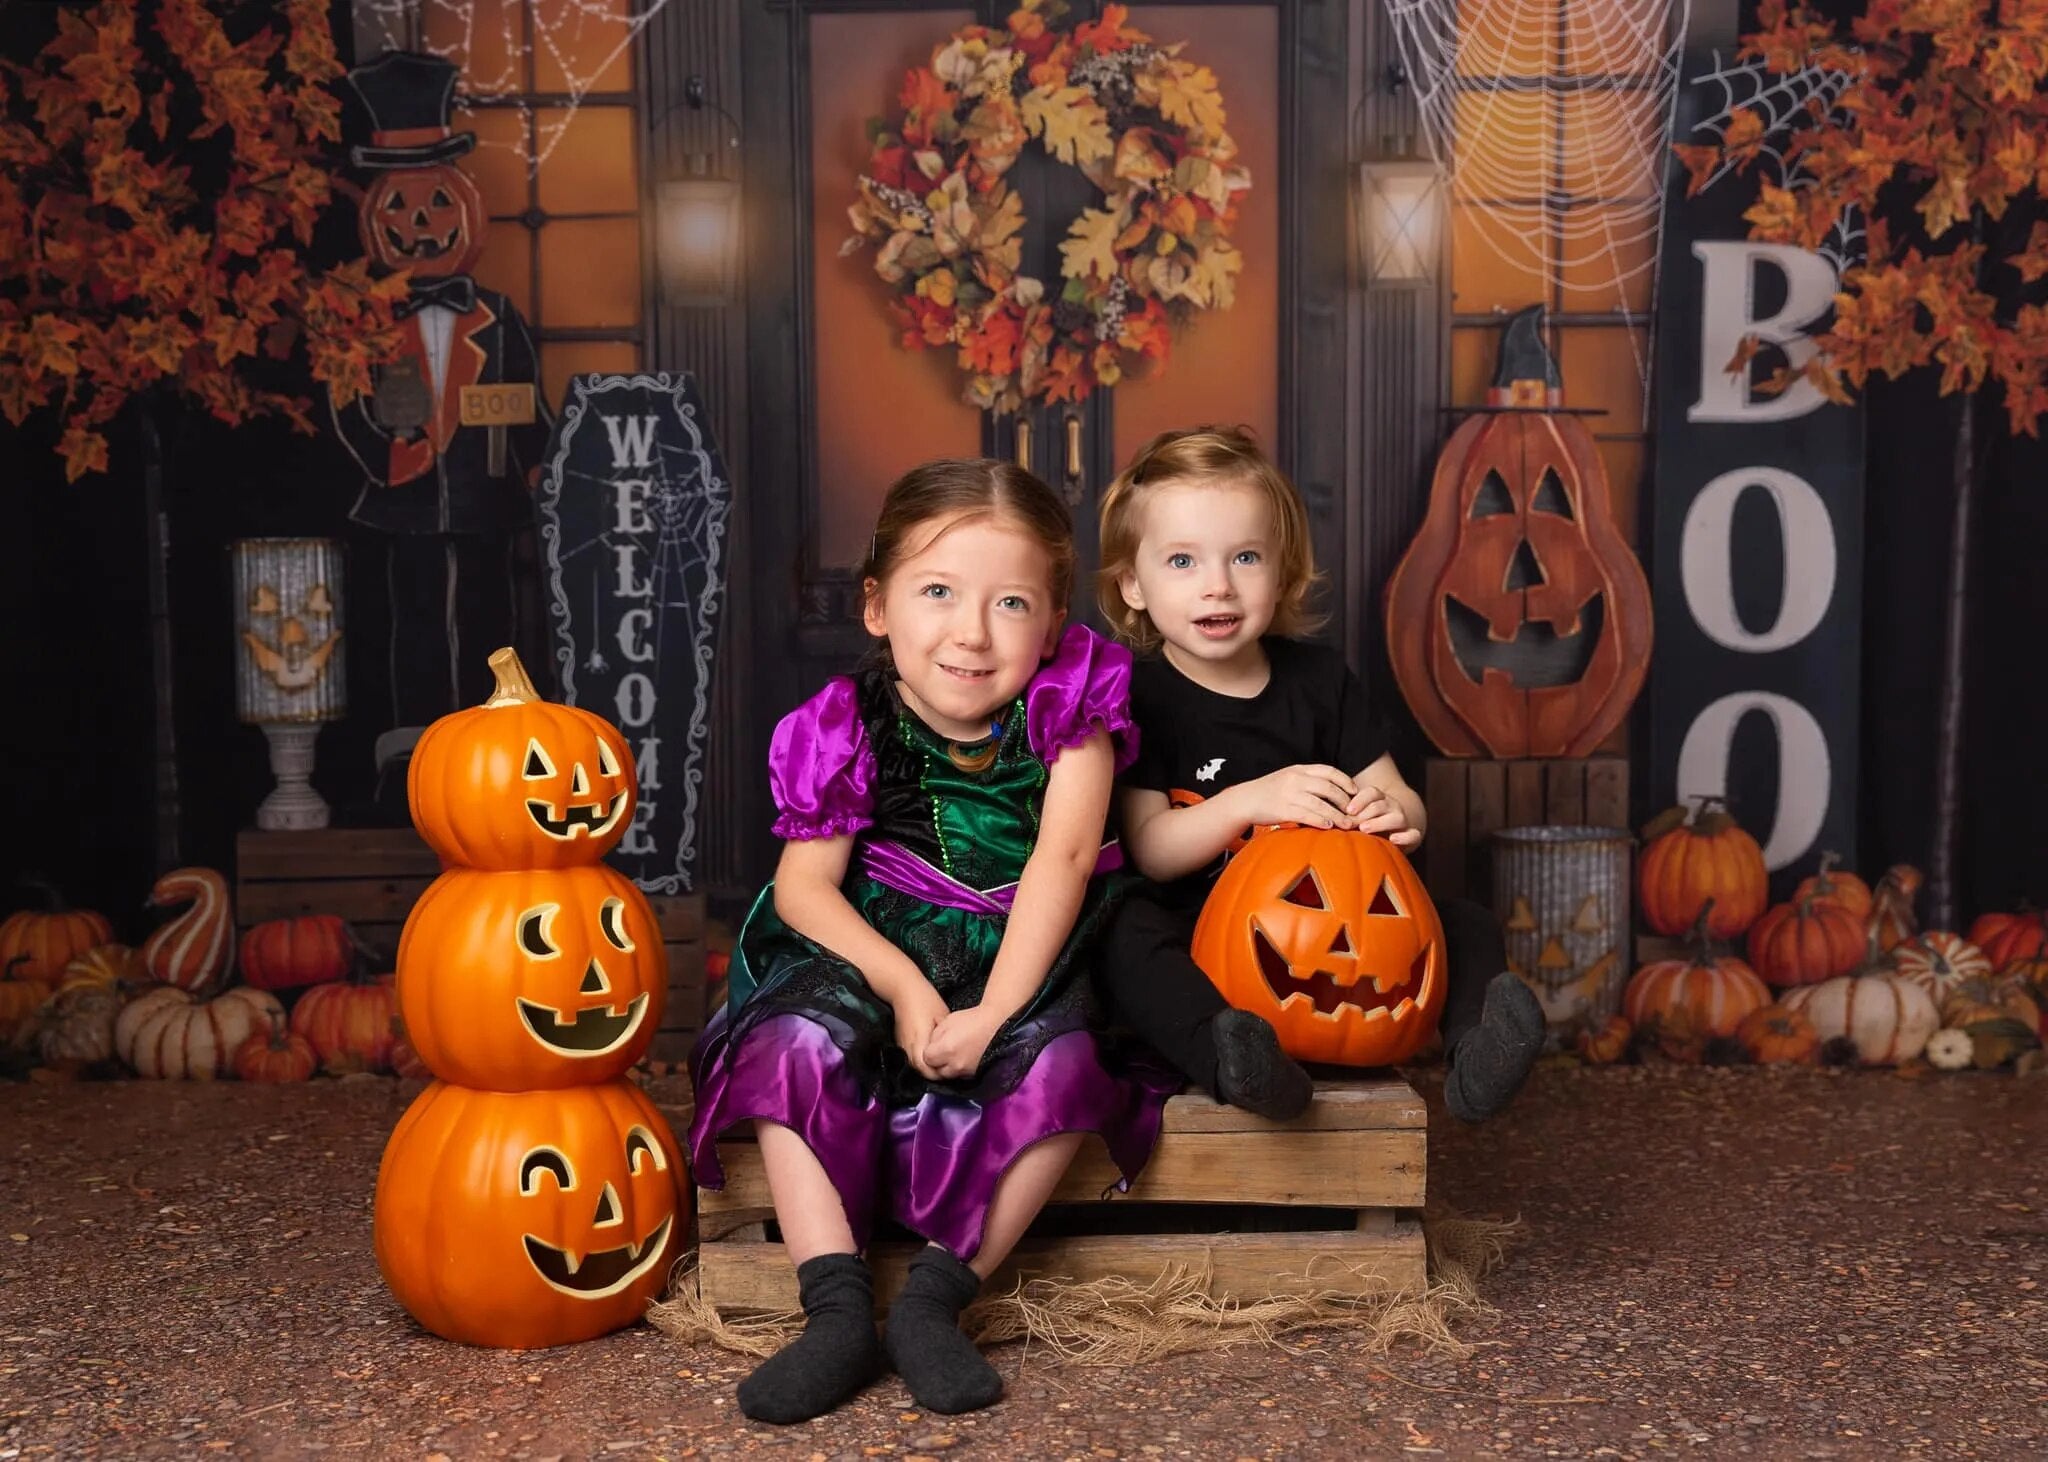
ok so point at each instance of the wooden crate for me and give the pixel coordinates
(373, 876)
(1316, 1203)
(1469, 800)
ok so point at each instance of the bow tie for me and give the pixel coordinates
(456, 292)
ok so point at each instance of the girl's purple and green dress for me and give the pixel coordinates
(939, 848)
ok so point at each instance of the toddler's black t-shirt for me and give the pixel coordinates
(1194, 742)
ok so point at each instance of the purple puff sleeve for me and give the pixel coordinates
(1083, 689)
(820, 767)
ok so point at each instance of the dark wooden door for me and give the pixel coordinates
(838, 409)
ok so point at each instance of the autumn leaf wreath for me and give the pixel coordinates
(1144, 126)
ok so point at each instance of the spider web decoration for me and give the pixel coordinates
(1781, 103)
(488, 39)
(1514, 92)
(632, 509)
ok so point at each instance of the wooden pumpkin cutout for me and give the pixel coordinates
(1519, 622)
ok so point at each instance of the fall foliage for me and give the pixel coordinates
(1943, 114)
(162, 167)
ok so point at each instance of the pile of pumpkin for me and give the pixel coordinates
(1856, 980)
(76, 1002)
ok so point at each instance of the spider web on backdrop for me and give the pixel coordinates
(1606, 84)
(687, 502)
(498, 28)
(1781, 102)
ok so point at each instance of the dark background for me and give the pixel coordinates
(76, 694)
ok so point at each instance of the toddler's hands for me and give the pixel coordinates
(1373, 811)
(955, 1046)
(1312, 795)
(919, 1008)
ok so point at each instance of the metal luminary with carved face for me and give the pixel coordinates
(513, 980)
(527, 1219)
(288, 620)
(1519, 622)
(1330, 936)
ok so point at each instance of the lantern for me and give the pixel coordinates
(289, 672)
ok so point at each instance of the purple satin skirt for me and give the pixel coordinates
(932, 1167)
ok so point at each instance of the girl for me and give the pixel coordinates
(1206, 560)
(909, 1026)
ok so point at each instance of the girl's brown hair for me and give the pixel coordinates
(1205, 456)
(978, 487)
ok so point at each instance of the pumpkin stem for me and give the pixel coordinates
(1697, 936)
(515, 687)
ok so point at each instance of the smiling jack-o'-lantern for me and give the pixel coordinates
(1518, 622)
(428, 220)
(519, 782)
(292, 655)
(1330, 936)
(526, 1219)
(531, 979)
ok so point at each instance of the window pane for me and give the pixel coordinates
(507, 264)
(582, 45)
(590, 273)
(566, 358)
(1602, 369)
(498, 162)
(591, 169)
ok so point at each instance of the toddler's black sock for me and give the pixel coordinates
(837, 1354)
(1253, 1072)
(939, 1363)
(1489, 1062)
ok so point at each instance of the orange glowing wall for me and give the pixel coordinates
(577, 277)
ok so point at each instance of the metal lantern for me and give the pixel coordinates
(289, 668)
(1562, 897)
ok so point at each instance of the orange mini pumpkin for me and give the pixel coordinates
(1606, 1044)
(526, 1219)
(519, 782)
(36, 944)
(2009, 938)
(1835, 883)
(522, 979)
(1330, 936)
(1811, 939)
(1697, 998)
(1687, 864)
(1776, 1035)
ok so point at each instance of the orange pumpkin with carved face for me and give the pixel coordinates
(523, 979)
(519, 782)
(526, 1219)
(1330, 936)
(429, 220)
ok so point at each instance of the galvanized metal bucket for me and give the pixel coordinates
(1562, 897)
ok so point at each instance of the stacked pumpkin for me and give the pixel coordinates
(531, 1195)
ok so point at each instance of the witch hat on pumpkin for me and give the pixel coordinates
(410, 98)
(1526, 377)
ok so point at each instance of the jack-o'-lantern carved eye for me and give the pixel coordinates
(1550, 496)
(263, 600)
(1493, 498)
(394, 202)
(534, 931)
(545, 1160)
(606, 762)
(1384, 903)
(441, 199)
(642, 1148)
(611, 918)
(1307, 892)
(318, 601)
(538, 763)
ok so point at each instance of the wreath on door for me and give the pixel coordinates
(1144, 126)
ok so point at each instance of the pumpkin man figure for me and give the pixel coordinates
(451, 437)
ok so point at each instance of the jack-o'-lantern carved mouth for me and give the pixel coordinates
(1375, 997)
(1537, 658)
(601, 1272)
(577, 819)
(421, 245)
(593, 1031)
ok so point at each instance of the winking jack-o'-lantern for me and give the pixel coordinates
(1519, 622)
(531, 978)
(527, 1219)
(1330, 936)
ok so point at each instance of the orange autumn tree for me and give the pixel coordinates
(163, 164)
(1938, 140)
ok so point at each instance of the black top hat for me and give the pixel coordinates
(1526, 375)
(409, 97)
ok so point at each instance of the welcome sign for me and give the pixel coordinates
(1757, 514)
(633, 507)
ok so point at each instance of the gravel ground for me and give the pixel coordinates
(1776, 1264)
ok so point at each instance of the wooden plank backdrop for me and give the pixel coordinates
(371, 877)
(1468, 800)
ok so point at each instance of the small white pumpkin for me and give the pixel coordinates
(1950, 1050)
(169, 1034)
(1888, 1018)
